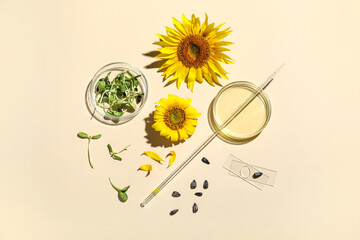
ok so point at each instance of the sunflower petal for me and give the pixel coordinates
(221, 36)
(190, 129)
(223, 43)
(182, 75)
(199, 76)
(191, 78)
(168, 50)
(167, 39)
(204, 25)
(214, 77)
(187, 24)
(172, 158)
(164, 44)
(146, 167)
(172, 69)
(214, 65)
(166, 56)
(183, 134)
(208, 29)
(174, 135)
(179, 26)
(158, 126)
(192, 113)
(153, 156)
(207, 75)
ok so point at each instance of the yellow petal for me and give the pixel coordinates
(187, 24)
(191, 78)
(164, 44)
(182, 75)
(168, 50)
(146, 167)
(214, 65)
(199, 76)
(191, 112)
(174, 135)
(207, 75)
(172, 158)
(204, 25)
(179, 26)
(183, 134)
(153, 156)
(223, 43)
(208, 29)
(167, 39)
(214, 77)
(172, 69)
(158, 126)
(164, 102)
(190, 129)
(166, 55)
(160, 110)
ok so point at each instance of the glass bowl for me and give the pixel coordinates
(249, 123)
(115, 68)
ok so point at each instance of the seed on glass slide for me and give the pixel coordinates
(175, 194)
(195, 208)
(199, 194)
(206, 184)
(257, 175)
(204, 160)
(173, 212)
(193, 184)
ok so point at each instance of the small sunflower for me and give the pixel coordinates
(175, 118)
(192, 52)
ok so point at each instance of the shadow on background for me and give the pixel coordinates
(153, 137)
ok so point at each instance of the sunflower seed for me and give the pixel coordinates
(173, 212)
(175, 194)
(193, 184)
(199, 194)
(256, 175)
(195, 208)
(206, 184)
(204, 160)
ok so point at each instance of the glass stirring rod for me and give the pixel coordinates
(210, 138)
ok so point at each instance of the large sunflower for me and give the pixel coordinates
(193, 51)
(175, 118)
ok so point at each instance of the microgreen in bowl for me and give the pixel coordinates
(119, 95)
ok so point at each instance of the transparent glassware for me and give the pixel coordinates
(117, 67)
(234, 137)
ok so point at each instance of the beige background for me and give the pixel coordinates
(49, 51)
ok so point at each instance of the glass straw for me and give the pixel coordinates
(211, 137)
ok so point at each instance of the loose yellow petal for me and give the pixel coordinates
(153, 156)
(172, 158)
(146, 167)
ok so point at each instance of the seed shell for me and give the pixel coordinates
(257, 175)
(206, 184)
(204, 160)
(195, 208)
(173, 212)
(175, 194)
(193, 184)
(199, 194)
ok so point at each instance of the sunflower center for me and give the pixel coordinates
(194, 51)
(174, 118)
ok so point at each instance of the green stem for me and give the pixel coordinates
(116, 188)
(123, 149)
(89, 157)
